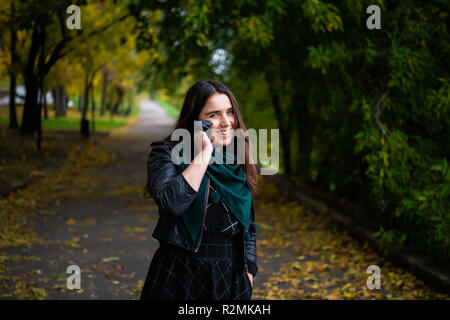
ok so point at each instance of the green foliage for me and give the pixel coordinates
(412, 184)
(364, 112)
(390, 239)
(257, 29)
(323, 16)
(321, 57)
(407, 67)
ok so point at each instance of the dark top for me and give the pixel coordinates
(219, 218)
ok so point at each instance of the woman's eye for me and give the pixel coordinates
(213, 115)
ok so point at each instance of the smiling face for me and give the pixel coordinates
(219, 111)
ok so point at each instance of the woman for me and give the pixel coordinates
(206, 227)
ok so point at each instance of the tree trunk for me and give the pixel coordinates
(63, 109)
(119, 100)
(12, 75)
(44, 97)
(60, 103)
(55, 98)
(56, 101)
(130, 104)
(12, 103)
(284, 134)
(84, 121)
(80, 103)
(28, 125)
(39, 121)
(105, 86)
(304, 137)
(93, 108)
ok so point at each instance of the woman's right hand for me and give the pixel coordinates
(202, 141)
(196, 170)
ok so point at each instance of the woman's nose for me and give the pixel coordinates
(225, 121)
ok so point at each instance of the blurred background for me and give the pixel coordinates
(364, 125)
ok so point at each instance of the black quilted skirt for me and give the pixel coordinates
(215, 272)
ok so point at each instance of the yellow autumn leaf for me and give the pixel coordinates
(349, 294)
(109, 259)
(71, 222)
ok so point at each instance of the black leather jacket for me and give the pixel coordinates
(173, 196)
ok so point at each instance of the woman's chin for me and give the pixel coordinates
(223, 140)
(226, 140)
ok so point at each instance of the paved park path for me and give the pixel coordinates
(108, 233)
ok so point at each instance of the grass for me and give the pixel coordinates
(170, 108)
(72, 121)
(103, 125)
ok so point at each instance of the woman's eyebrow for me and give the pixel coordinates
(211, 112)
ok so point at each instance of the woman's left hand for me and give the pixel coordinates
(250, 276)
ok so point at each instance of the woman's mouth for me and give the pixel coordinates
(225, 133)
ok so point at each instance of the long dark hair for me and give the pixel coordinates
(194, 102)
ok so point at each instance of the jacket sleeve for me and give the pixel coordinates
(250, 246)
(170, 190)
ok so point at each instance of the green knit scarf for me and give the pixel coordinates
(230, 185)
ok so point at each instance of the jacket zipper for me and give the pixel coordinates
(204, 215)
(203, 225)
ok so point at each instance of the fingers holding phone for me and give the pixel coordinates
(202, 142)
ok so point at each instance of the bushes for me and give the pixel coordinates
(410, 188)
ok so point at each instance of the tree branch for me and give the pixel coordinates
(57, 51)
(107, 26)
(378, 112)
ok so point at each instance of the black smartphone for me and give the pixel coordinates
(206, 125)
